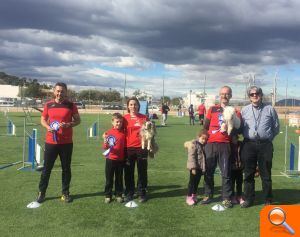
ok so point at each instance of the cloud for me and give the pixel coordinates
(103, 40)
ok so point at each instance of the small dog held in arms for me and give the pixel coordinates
(148, 132)
(231, 119)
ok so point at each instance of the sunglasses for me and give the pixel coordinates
(254, 94)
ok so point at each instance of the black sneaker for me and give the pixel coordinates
(128, 198)
(66, 198)
(246, 204)
(206, 200)
(120, 199)
(142, 198)
(41, 197)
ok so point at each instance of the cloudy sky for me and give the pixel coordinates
(95, 43)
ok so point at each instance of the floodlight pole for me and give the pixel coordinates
(163, 91)
(286, 128)
(204, 86)
(124, 93)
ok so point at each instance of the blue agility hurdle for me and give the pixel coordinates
(31, 150)
(11, 128)
(92, 130)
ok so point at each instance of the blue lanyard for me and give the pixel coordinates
(257, 120)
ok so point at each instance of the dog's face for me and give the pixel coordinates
(148, 125)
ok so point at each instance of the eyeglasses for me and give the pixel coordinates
(254, 94)
(225, 94)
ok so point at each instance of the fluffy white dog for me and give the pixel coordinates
(230, 119)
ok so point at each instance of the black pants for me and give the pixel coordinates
(237, 182)
(65, 154)
(218, 153)
(201, 119)
(260, 153)
(194, 182)
(139, 156)
(113, 169)
(192, 120)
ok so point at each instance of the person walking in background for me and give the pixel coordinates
(133, 122)
(195, 164)
(164, 112)
(114, 143)
(217, 150)
(191, 115)
(201, 112)
(260, 125)
(58, 117)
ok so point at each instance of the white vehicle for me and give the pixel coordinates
(153, 109)
(7, 104)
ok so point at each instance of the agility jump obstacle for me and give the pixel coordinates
(11, 128)
(31, 158)
(92, 130)
(292, 172)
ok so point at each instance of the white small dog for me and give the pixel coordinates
(231, 119)
(148, 131)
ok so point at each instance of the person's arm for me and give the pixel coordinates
(276, 126)
(206, 124)
(192, 155)
(75, 121)
(44, 123)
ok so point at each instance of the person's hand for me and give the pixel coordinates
(104, 136)
(49, 129)
(223, 127)
(193, 171)
(65, 125)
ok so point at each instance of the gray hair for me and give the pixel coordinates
(257, 89)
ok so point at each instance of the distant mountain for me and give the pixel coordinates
(289, 102)
(6, 79)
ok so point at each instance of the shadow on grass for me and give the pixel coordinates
(77, 196)
(176, 191)
(87, 195)
(280, 197)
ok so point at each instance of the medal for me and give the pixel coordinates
(111, 140)
(55, 127)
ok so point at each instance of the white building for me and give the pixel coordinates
(196, 98)
(9, 92)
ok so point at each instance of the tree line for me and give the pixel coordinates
(33, 89)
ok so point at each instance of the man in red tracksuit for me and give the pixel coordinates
(58, 117)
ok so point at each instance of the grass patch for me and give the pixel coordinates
(165, 214)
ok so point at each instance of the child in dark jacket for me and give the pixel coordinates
(195, 164)
(236, 171)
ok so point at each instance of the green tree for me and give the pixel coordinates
(176, 100)
(33, 90)
(165, 99)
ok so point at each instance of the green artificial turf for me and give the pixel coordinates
(165, 213)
